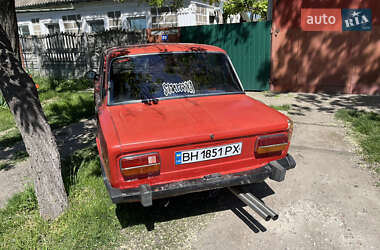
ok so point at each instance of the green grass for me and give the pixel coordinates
(285, 107)
(10, 138)
(89, 223)
(7, 120)
(69, 109)
(49, 89)
(19, 156)
(366, 126)
(64, 102)
(92, 221)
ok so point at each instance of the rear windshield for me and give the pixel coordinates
(171, 75)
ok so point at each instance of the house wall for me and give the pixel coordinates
(324, 61)
(97, 10)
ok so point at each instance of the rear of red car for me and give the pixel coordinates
(179, 122)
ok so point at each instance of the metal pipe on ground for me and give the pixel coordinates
(251, 203)
(262, 206)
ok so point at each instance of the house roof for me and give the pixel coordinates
(35, 3)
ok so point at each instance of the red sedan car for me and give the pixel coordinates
(174, 119)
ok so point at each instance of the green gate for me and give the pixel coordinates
(247, 44)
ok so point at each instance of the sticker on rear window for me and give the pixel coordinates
(179, 87)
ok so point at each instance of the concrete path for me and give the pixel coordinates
(329, 201)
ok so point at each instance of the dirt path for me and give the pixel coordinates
(69, 139)
(329, 201)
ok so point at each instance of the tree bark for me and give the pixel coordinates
(8, 20)
(21, 95)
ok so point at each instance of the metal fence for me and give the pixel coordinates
(248, 45)
(71, 55)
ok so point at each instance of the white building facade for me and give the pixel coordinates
(43, 17)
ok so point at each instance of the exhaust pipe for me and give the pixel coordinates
(269, 211)
(250, 200)
(244, 198)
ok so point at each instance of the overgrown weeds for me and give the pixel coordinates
(366, 126)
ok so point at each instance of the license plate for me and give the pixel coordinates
(205, 154)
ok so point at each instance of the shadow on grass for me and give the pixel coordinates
(17, 157)
(10, 139)
(72, 164)
(64, 112)
(69, 111)
(130, 214)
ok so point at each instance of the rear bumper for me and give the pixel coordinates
(275, 170)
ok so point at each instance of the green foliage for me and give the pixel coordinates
(233, 7)
(367, 128)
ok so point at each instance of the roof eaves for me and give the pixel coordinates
(20, 4)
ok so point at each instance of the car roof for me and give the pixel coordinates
(161, 48)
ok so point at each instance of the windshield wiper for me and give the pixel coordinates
(147, 97)
(149, 101)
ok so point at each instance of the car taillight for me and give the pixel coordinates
(271, 145)
(140, 166)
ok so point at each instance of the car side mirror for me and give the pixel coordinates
(91, 75)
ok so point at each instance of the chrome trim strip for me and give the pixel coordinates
(142, 166)
(274, 145)
(132, 156)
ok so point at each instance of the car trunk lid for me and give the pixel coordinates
(183, 121)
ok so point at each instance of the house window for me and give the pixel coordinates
(201, 15)
(164, 17)
(36, 28)
(114, 21)
(135, 23)
(23, 30)
(53, 28)
(72, 23)
(96, 25)
(114, 14)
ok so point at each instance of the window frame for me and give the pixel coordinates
(19, 25)
(88, 21)
(77, 20)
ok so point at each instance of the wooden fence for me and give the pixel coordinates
(71, 55)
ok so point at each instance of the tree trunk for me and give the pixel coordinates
(21, 95)
(8, 21)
